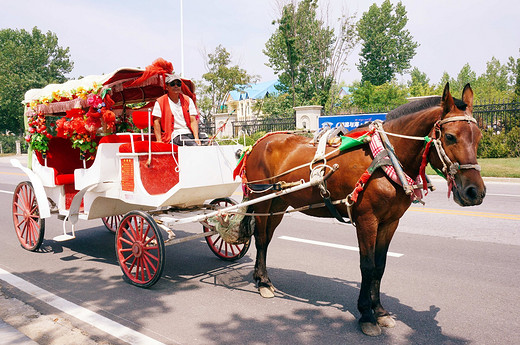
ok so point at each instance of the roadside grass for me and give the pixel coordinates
(495, 167)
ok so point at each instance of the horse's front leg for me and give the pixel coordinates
(384, 236)
(367, 233)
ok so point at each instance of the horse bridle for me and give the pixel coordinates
(449, 168)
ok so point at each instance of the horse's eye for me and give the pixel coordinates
(450, 138)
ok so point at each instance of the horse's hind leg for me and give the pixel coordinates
(264, 230)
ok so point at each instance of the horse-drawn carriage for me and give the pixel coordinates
(96, 164)
(135, 184)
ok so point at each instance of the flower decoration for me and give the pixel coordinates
(81, 128)
(93, 100)
(61, 95)
(38, 137)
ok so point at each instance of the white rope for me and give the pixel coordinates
(401, 135)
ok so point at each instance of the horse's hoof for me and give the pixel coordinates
(386, 321)
(370, 329)
(266, 292)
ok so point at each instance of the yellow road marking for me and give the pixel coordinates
(12, 173)
(467, 213)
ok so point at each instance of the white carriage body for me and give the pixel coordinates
(119, 181)
(204, 173)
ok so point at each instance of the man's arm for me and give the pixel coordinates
(157, 129)
(195, 128)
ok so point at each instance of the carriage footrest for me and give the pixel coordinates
(63, 238)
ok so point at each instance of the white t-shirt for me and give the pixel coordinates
(179, 125)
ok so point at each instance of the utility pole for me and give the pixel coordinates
(182, 42)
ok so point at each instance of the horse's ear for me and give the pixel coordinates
(447, 102)
(467, 97)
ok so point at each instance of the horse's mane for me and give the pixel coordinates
(422, 104)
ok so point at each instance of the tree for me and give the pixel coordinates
(275, 106)
(387, 47)
(373, 98)
(466, 75)
(494, 83)
(420, 84)
(513, 67)
(27, 60)
(306, 53)
(221, 78)
(444, 79)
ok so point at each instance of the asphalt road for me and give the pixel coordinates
(451, 280)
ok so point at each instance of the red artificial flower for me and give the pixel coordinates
(78, 125)
(76, 112)
(93, 113)
(62, 128)
(92, 125)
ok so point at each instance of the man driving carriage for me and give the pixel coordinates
(175, 115)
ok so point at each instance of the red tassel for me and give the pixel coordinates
(424, 163)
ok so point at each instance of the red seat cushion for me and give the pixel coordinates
(64, 179)
(142, 147)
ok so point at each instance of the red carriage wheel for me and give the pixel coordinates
(26, 217)
(140, 249)
(218, 246)
(112, 222)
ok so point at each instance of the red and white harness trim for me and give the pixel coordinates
(376, 145)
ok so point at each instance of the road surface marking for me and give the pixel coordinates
(12, 173)
(6, 192)
(111, 327)
(466, 213)
(332, 245)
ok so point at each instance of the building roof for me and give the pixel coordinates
(254, 91)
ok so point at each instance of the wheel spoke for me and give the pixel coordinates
(148, 254)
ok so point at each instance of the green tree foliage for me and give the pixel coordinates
(419, 85)
(307, 54)
(371, 98)
(220, 78)
(27, 60)
(296, 50)
(494, 83)
(387, 47)
(513, 67)
(275, 106)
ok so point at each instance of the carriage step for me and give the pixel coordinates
(63, 238)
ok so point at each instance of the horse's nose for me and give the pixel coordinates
(472, 193)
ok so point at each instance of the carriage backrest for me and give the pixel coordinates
(140, 118)
(62, 156)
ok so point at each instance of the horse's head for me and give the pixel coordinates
(458, 137)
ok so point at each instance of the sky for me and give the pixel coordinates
(104, 35)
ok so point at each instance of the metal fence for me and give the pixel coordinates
(498, 116)
(266, 125)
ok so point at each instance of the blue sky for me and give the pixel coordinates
(105, 35)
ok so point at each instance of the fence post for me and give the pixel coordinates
(18, 148)
(1, 148)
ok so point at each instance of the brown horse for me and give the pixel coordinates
(382, 202)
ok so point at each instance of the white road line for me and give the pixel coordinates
(111, 327)
(6, 192)
(332, 245)
(514, 195)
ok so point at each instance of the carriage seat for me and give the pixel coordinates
(143, 147)
(141, 120)
(63, 159)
